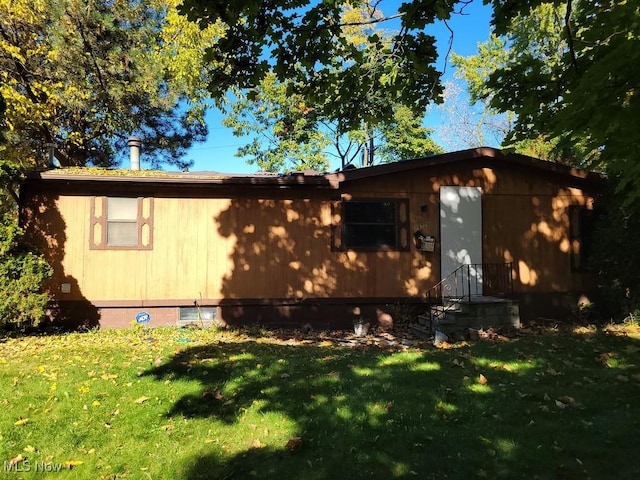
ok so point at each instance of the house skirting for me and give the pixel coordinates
(552, 306)
(319, 313)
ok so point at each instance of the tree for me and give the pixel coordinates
(405, 137)
(572, 76)
(83, 76)
(614, 257)
(22, 273)
(305, 42)
(290, 132)
(8, 175)
(286, 131)
(467, 123)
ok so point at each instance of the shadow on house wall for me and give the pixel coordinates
(283, 267)
(45, 230)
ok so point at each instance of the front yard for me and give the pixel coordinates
(189, 404)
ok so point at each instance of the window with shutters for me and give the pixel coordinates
(121, 223)
(371, 225)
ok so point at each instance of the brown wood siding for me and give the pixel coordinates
(265, 245)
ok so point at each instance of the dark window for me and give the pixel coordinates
(121, 223)
(581, 226)
(371, 225)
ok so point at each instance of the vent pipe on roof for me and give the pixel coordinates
(134, 144)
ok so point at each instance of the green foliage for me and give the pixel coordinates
(309, 43)
(3, 126)
(405, 137)
(286, 130)
(86, 76)
(288, 134)
(572, 77)
(615, 256)
(536, 41)
(22, 273)
(293, 131)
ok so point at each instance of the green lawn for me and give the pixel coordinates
(189, 404)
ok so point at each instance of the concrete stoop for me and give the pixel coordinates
(456, 316)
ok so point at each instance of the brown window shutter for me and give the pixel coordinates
(145, 223)
(98, 223)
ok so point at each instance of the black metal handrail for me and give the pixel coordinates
(473, 279)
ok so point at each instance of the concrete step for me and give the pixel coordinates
(457, 315)
(421, 332)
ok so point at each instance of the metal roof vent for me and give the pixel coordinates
(134, 144)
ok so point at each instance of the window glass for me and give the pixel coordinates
(122, 222)
(370, 224)
(193, 314)
(122, 234)
(122, 208)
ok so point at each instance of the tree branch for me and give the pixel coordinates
(12, 193)
(567, 27)
(325, 26)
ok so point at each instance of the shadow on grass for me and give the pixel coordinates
(538, 407)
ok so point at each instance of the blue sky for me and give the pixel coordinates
(469, 29)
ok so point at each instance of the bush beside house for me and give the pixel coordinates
(22, 274)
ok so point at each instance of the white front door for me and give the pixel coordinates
(461, 239)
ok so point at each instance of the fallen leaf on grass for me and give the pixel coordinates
(217, 395)
(141, 400)
(16, 460)
(257, 444)
(70, 464)
(22, 421)
(482, 380)
(560, 404)
(457, 363)
(294, 443)
(568, 400)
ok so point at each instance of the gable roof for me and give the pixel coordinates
(484, 156)
(487, 156)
